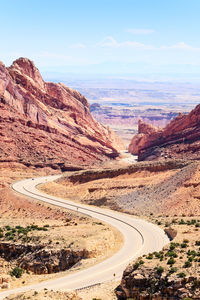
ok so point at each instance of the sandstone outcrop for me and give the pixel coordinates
(41, 259)
(48, 124)
(83, 176)
(146, 284)
(179, 139)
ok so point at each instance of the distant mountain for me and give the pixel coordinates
(48, 124)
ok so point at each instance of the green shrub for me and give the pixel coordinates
(181, 275)
(8, 233)
(174, 221)
(159, 270)
(181, 222)
(191, 252)
(16, 272)
(158, 254)
(193, 221)
(171, 261)
(173, 270)
(7, 227)
(191, 258)
(150, 256)
(187, 264)
(141, 262)
(172, 246)
(171, 254)
(137, 264)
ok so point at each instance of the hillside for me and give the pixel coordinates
(168, 187)
(179, 139)
(48, 124)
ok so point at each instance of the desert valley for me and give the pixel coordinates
(100, 150)
(48, 129)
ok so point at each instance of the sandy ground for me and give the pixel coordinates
(185, 193)
(187, 238)
(65, 228)
(140, 193)
(45, 294)
(103, 291)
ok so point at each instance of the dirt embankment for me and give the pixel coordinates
(90, 175)
(164, 187)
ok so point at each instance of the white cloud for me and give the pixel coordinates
(180, 46)
(140, 31)
(109, 41)
(78, 46)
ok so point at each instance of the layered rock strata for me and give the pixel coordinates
(48, 124)
(179, 139)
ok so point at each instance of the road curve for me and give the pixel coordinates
(140, 237)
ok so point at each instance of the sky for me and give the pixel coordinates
(103, 36)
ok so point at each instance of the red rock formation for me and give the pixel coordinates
(43, 123)
(144, 137)
(179, 139)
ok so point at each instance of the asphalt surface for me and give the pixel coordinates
(140, 237)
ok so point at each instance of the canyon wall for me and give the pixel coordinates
(179, 139)
(48, 124)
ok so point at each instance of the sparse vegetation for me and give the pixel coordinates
(20, 233)
(16, 272)
(181, 275)
(180, 259)
(159, 270)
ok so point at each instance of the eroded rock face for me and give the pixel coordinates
(179, 139)
(146, 284)
(41, 259)
(48, 124)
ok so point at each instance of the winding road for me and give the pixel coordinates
(139, 236)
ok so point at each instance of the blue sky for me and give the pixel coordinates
(103, 36)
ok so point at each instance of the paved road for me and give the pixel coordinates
(128, 157)
(140, 237)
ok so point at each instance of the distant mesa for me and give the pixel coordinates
(179, 139)
(48, 124)
(95, 107)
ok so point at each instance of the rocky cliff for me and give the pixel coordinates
(148, 284)
(48, 124)
(41, 259)
(179, 139)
